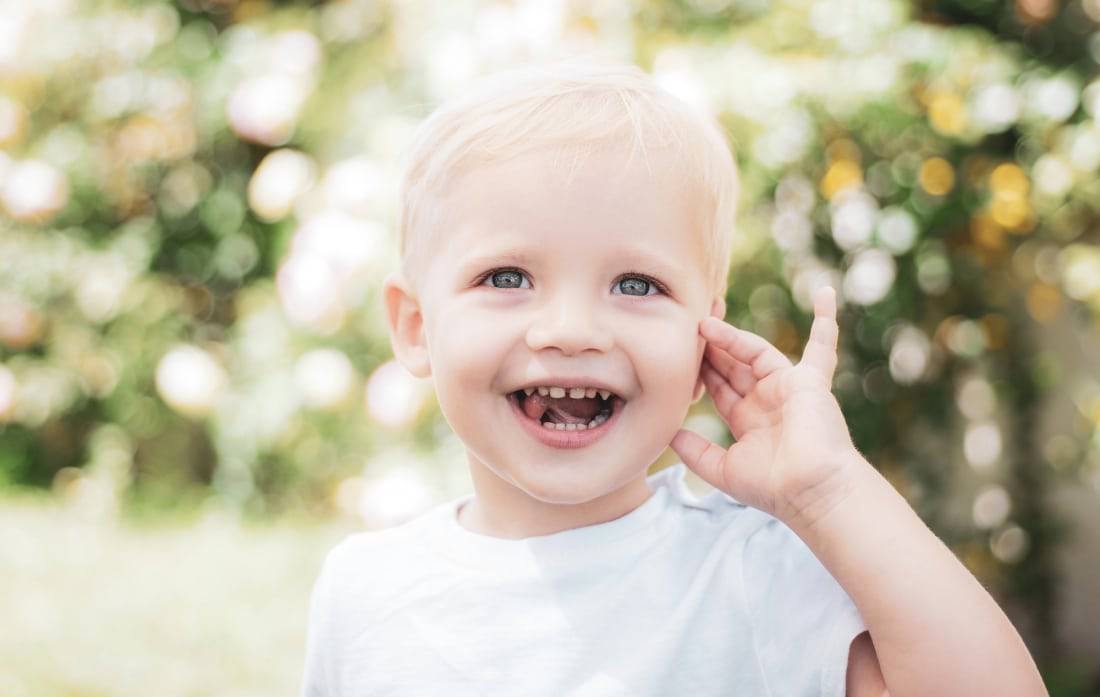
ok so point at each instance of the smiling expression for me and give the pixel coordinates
(537, 280)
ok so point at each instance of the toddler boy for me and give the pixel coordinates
(565, 236)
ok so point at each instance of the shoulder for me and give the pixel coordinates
(715, 508)
(376, 555)
(792, 599)
(693, 500)
(769, 551)
(357, 547)
(777, 562)
(780, 576)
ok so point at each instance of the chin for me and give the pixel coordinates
(561, 485)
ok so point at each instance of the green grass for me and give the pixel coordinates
(96, 608)
(179, 605)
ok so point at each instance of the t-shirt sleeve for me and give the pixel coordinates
(315, 681)
(803, 621)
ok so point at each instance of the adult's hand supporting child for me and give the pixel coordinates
(935, 630)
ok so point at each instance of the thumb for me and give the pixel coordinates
(702, 457)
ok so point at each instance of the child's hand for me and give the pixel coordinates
(793, 457)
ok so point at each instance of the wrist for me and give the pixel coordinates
(849, 474)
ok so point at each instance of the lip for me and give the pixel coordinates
(565, 439)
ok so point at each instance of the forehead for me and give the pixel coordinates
(609, 201)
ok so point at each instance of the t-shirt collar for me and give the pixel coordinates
(567, 547)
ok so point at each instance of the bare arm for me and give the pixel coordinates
(933, 629)
(864, 676)
(936, 630)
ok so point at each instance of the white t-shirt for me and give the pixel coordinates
(681, 596)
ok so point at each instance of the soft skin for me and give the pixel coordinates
(933, 628)
(572, 241)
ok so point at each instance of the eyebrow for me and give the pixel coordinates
(517, 256)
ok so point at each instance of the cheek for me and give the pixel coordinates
(463, 366)
(465, 351)
(670, 358)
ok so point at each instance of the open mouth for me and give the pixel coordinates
(567, 413)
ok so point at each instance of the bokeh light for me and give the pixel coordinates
(394, 397)
(190, 380)
(198, 201)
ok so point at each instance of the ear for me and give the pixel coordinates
(717, 309)
(406, 324)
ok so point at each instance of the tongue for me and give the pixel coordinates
(564, 411)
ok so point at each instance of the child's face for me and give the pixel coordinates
(569, 299)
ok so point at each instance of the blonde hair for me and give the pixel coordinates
(573, 107)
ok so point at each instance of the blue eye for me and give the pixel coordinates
(638, 286)
(505, 278)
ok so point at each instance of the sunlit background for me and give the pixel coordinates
(197, 207)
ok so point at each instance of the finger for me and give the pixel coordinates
(739, 414)
(749, 348)
(820, 351)
(719, 389)
(701, 456)
(738, 374)
(732, 407)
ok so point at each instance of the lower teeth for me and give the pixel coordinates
(600, 418)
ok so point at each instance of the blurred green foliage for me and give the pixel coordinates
(197, 205)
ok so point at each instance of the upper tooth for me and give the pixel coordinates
(573, 392)
(528, 390)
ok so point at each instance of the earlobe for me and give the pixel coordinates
(406, 325)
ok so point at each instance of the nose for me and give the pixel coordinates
(571, 328)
